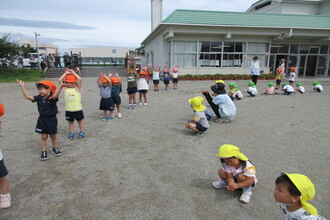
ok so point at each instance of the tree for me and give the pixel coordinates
(27, 49)
(8, 48)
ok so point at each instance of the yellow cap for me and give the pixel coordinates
(196, 103)
(220, 81)
(228, 150)
(307, 190)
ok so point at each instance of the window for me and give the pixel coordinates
(184, 53)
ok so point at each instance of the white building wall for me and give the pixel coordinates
(307, 9)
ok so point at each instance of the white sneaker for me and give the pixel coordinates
(220, 184)
(5, 201)
(119, 115)
(246, 196)
(140, 103)
(145, 104)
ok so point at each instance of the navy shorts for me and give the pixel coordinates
(200, 127)
(116, 100)
(106, 104)
(175, 80)
(46, 125)
(155, 81)
(131, 90)
(3, 169)
(166, 81)
(278, 82)
(71, 116)
(143, 91)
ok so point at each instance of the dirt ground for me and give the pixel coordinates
(146, 165)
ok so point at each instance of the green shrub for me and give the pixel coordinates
(27, 75)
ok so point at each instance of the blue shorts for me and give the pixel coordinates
(106, 104)
(131, 90)
(143, 91)
(71, 116)
(46, 125)
(3, 169)
(175, 80)
(155, 81)
(116, 100)
(167, 81)
(200, 127)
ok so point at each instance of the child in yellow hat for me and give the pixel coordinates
(200, 123)
(293, 191)
(237, 172)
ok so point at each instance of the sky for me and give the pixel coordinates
(89, 23)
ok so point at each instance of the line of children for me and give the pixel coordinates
(199, 124)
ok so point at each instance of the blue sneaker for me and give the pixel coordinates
(81, 134)
(104, 119)
(110, 119)
(71, 135)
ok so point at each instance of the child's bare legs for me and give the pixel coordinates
(145, 97)
(112, 113)
(105, 113)
(43, 141)
(5, 199)
(81, 125)
(175, 85)
(4, 185)
(118, 108)
(53, 138)
(192, 126)
(140, 97)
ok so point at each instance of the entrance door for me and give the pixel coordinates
(302, 64)
(311, 65)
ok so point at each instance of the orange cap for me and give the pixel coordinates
(143, 72)
(50, 84)
(293, 68)
(2, 110)
(104, 80)
(70, 78)
(115, 79)
(280, 70)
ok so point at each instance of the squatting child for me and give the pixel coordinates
(300, 88)
(317, 87)
(270, 90)
(199, 124)
(287, 89)
(252, 90)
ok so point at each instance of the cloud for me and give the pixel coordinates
(42, 24)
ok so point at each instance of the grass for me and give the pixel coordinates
(9, 75)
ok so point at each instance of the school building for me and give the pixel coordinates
(211, 42)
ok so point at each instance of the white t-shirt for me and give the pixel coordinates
(142, 84)
(248, 170)
(320, 87)
(227, 108)
(253, 91)
(301, 89)
(288, 88)
(300, 214)
(155, 75)
(175, 75)
(292, 76)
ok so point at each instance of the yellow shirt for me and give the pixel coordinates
(279, 75)
(72, 99)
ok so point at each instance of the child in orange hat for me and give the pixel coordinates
(131, 84)
(106, 103)
(47, 108)
(142, 86)
(292, 76)
(72, 100)
(115, 91)
(5, 199)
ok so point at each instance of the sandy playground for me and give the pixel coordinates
(146, 165)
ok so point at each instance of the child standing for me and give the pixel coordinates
(47, 108)
(237, 172)
(166, 78)
(5, 199)
(252, 90)
(155, 78)
(287, 89)
(293, 191)
(199, 124)
(72, 100)
(131, 86)
(270, 90)
(278, 78)
(106, 103)
(175, 78)
(292, 75)
(300, 88)
(115, 92)
(142, 86)
(317, 87)
(255, 67)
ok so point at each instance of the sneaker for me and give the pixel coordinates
(220, 184)
(246, 196)
(200, 133)
(5, 201)
(140, 103)
(56, 152)
(43, 155)
(145, 104)
(119, 115)
(71, 135)
(110, 119)
(104, 119)
(130, 106)
(81, 134)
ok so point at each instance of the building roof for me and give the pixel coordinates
(246, 19)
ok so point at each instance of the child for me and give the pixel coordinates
(252, 90)
(72, 100)
(300, 88)
(131, 86)
(175, 78)
(293, 191)
(106, 102)
(142, 86)
(166, 78)
(270, 90)
(287, 89)
(317, 87)
(115, 92)
(255, 67)
(200, 123)
(222, 105)
(155, 78)
(278, 78)
(47, 108)
(5, 199)
(234, 92)
(237, 172)
(292, 75)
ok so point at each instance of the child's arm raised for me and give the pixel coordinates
(25, 93)
(58, 91)
(248, 58)
(62, 78)
(263, 57)
(79, 79)
(116, 75)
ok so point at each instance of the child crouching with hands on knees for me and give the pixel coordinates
(200, 123)
(237, 172)
(293, 191)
